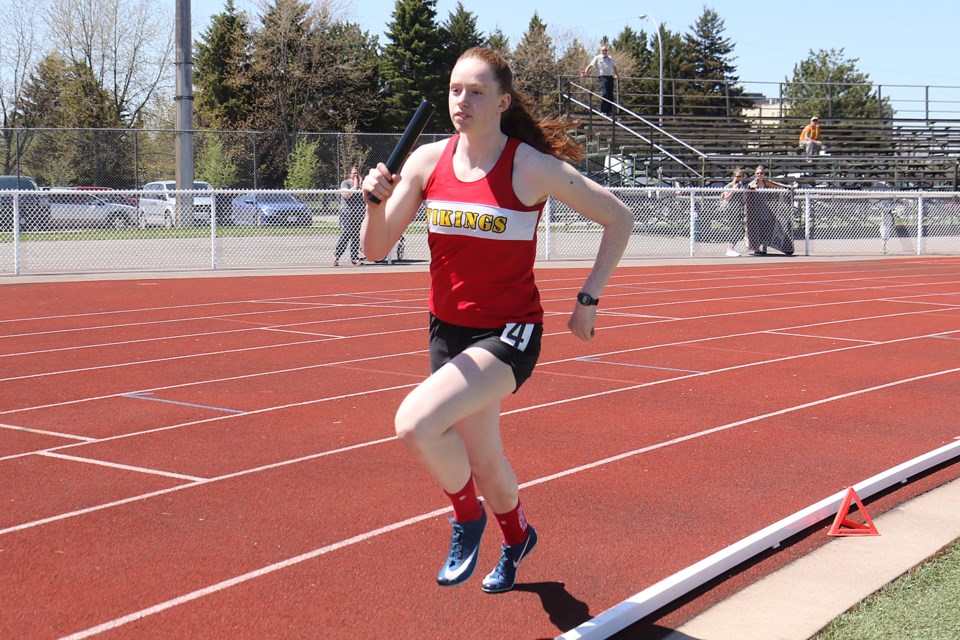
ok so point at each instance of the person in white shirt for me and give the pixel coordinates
(607, 72)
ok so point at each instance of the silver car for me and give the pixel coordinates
(158, 205)
(77, 209)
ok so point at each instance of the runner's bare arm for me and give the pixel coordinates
(537, 175)
(400, 198)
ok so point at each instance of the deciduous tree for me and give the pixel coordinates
(126, 44)
(18, 52)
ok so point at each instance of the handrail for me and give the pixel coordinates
(642, 119)
(931, 102)
(638, 135)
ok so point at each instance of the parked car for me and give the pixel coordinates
(112, 195)
(158, 205)
(34, 209)
(270, 208)
(85, 210)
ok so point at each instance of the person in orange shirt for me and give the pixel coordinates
(810, 140)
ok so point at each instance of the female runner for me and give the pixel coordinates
(484, 190)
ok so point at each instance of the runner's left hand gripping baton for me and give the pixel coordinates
(409, 138)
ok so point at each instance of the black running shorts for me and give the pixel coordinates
(517, 345)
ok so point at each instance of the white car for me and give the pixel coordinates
(158, 205)
(77, 209)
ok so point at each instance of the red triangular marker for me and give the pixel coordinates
(843, 526)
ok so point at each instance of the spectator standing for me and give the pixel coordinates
(810, 140)
(484, 190)
(761, 219)
(607, 72)
(351, 217)
(733, 204)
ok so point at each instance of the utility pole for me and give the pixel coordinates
(184, 102)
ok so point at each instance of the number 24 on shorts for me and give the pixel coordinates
(517, 335)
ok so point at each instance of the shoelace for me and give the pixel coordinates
(456, 547)
(505, 559)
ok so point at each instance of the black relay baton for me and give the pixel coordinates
(409, 138)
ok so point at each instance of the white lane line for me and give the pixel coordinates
(188, 356)
(810, 335)
(250, 328)
(160, 492)
(519, 410)
(56, 434)
(277, 566)
(372, 334)
(125, 467)
(235, 317)
(245, 376)
(304, 333)
(503, 414)
(638, 366)
(226, 584)
(252, 412)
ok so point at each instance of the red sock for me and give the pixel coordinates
(466, 507)
(514, 526)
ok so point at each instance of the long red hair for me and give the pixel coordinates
(547, 135)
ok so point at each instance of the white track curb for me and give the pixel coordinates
(658, 595)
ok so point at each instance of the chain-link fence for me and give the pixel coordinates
(131, 158)
(89, 231)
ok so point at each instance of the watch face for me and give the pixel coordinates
(585, 299)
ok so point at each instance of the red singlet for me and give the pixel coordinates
(483, 244)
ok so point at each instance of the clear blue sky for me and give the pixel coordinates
(896, 43)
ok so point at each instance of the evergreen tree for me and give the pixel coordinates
(534, 67)
(708, 63)
(828, 84)
(459, 33)
(633, 44)
(499, 42)
(413, 64)
(349, 89)
(220, 69)
(67, 96)
(674, 53)
(639, 75)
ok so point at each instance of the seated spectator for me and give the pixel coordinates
(810, 140)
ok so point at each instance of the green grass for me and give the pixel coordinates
(153, 233)
(923, 604)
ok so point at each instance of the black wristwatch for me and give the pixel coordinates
(586, 299)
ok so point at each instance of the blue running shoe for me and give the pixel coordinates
(464, 545)
(504, 575)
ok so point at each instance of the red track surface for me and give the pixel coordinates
(215, 457)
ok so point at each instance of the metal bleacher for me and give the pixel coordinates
(630, 149)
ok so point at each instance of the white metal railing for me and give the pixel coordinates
(48, 232)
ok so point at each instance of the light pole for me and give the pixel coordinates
(656, 26)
